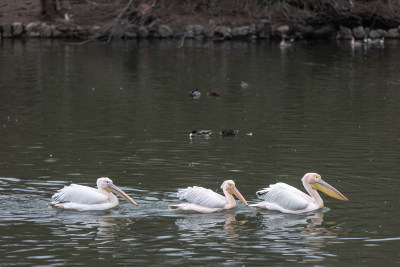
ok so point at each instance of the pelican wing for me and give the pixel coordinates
(202, 197)
(286, 196)
(79, 194)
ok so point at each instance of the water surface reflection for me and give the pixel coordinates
(71, 114)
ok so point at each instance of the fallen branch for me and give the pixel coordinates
(109, 29)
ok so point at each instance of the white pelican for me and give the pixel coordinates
(205, 200)
(288, 199)
(82, 198)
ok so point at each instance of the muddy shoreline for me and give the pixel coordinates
(77, 19)
(263, 30)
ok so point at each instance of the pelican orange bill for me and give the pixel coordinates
(113, 188)
(326, 188)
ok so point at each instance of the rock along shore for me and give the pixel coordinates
(262, 30)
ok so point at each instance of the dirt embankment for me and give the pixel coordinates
(222, 19)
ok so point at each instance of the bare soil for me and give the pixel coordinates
(179, 13)
(99, 12)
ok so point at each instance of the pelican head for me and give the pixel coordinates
(106, 184)
(316, 183)
(230, 187)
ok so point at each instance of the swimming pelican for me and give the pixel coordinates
(82, 198)
(205, 200)
(288, 199)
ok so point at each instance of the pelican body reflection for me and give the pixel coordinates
(282, 233)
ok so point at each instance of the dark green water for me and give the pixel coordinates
(73, 113)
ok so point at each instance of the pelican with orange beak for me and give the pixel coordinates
(205, 200)
(83, 198)
(288, 199)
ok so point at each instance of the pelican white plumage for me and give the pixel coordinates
(288, 199)
(82, 198)
(205, 200)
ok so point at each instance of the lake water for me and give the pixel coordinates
(72, 113)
